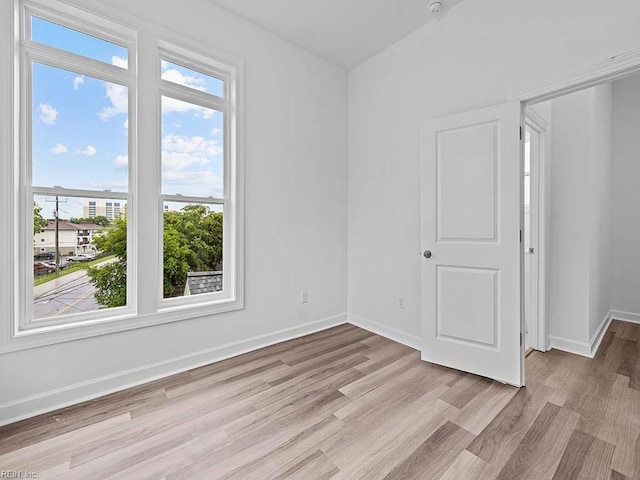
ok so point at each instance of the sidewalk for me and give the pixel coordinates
(56, 283)
(60, 282)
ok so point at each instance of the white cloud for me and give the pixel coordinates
(180, 153)
(78, 81)
(48, 114)
(117, 95)
(188, 161)
(174, 76)
(194, 145)
(119, 98)
(215, 131)
(126, 124)
(59, 149)
(175, 161)
(119, 62)
(121, 161)
(90, 151)
(203, 177)
(109, 185)
(170, 105)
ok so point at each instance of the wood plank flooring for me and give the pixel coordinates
(345, 404)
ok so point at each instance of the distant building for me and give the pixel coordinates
(73, 238)
(203, 282)
(111, 210)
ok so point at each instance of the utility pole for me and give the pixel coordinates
(56, 217)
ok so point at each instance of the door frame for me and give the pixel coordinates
(538, 214)
(610, 69)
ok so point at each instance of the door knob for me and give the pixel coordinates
(427, 254)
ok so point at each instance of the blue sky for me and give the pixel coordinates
(80, 126)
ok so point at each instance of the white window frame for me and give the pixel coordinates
(182, 57)
(146, 42)
(34, 52)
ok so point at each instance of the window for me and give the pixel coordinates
(193, 180)
(91, 144)
(76, 117)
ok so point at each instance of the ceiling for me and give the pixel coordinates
(345, 32)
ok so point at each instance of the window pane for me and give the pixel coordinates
(92, 244)
(76, 42)
(192, 149)
(79, 131)
(192, 243)
(192, 79)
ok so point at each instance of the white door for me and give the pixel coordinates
(471, 242)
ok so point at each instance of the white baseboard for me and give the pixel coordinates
(590, 349)
(391, 333)
(570, 346)
(599, 334)
(625, 316)
(27, 407)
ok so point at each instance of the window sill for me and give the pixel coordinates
(50, 335)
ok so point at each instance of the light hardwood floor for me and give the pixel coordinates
(345, 404)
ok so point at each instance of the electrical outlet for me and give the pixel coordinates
(401, 303)
(304, 296)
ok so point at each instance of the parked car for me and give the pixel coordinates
(44, 256)
(80, 258)
(42, 268)
(63, 264)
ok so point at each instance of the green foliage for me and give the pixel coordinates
(98, 220)
(176, 259)
(113, 239)
(110, 281)
(39, 222)
(192, 241)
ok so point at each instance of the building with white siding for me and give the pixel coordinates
(73, 238)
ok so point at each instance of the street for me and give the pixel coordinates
(73, 297)
(65, 295)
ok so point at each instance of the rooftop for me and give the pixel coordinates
(203, 282)
(67, 225)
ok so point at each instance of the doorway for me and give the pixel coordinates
(590, 220)
(534, 156)
(473, 247)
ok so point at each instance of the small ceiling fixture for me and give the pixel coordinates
(435, 6)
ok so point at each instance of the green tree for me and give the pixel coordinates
(113, 239)
(176, 256)
(110, 280)
(98, 220)
(39, 222)
(192, 241)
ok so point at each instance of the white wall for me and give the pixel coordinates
(295, 105)
(477, 55)
(625, 287)
(568, 280)
(599, 208)
(580, 211)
